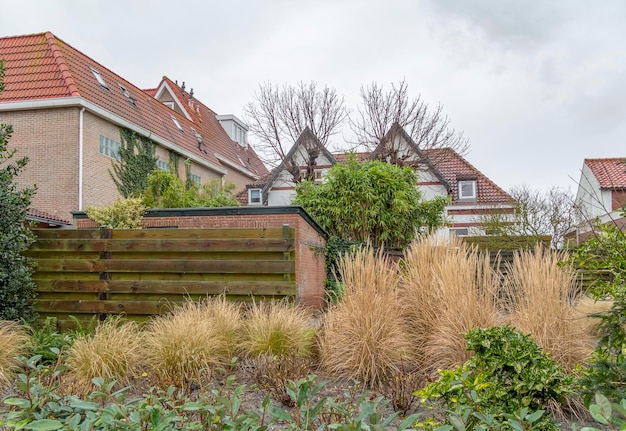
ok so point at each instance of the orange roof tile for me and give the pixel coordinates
(453, 168)
(41, 66)
(610, 173)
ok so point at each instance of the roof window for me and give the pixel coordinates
(99, 78)
(177, 123)
(130, 98)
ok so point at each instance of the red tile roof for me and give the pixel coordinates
(37, 215)
(610, 173)
(453, 168)
(41, 66)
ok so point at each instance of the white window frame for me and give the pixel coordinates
(163, 166)
(177, 123)
(110, 148)
(196, 179)
(471, 183)
(257, 201)
(99, 78)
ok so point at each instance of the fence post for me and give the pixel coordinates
(105, 233)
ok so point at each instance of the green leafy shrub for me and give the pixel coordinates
(122, 214)
(508, 375)
(17, 289)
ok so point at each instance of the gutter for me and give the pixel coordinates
(80, 157)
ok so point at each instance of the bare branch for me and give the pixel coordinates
(379, 110)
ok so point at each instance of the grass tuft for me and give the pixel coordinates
(15, 342)
(186, 344)
(363, 336)
(277, 328)
(114, 350)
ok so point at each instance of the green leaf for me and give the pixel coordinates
(44, 425)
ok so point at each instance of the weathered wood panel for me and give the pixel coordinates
(139, 273)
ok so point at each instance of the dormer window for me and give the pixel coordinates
(125, 92)
(254, 196)
(467, 190)
(169, 105)
(99, 78)
(177, 123)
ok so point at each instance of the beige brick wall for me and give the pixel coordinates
(50, 139)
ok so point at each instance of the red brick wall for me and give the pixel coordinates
(310, 271)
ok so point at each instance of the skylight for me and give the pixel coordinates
(177, 123)
(99, 78)
(130, 98)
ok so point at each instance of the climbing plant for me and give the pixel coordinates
(136, 162)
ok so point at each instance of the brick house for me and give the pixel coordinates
(441, 171)
(66, 110)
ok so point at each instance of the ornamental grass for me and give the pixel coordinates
(543, 299)
(186, 345)
(276, 328)
(15, 342)
(363, 335)
(446, 289)
(113, 351)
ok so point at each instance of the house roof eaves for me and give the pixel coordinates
(234, 165)
(103, 113)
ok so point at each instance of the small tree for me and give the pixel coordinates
(373, 201)
(17, 290)
(137, 161)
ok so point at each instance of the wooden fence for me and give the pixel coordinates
(97, 272)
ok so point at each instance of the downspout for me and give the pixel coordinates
(80, 159)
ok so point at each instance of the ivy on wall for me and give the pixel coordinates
(137, 161)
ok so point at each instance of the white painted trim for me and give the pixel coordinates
(165, 86)
(235, 166)
(79, 102)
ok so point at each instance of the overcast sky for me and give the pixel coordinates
(536, 86)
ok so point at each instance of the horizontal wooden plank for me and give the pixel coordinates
(154, 265)
(168, 287)
(200, 233)
(66, 233)
(166, 245)
(119, 307)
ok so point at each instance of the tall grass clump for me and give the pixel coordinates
(114, 350)
(447, 289)
(276, 328)
(543, 297)
(15, 342)
(363, 335)
(188, 343)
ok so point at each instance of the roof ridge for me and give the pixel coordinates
(60, 61)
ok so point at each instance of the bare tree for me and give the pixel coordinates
(380, 109)
(278, 115)
(536, 213)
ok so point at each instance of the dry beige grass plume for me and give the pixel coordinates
(447, 289)
(364, 335)
(543, 298)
